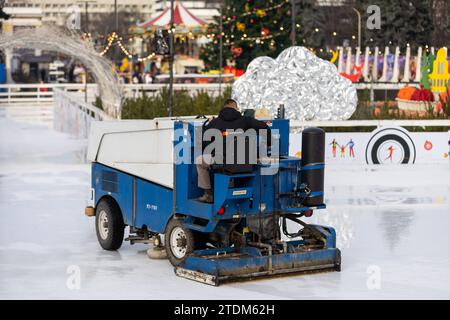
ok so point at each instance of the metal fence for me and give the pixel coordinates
(43, 93)
(73, 115)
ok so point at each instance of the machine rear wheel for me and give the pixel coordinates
(179, 241)
(109, 225)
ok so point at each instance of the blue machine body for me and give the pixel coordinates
(145, 204)
(2, 73)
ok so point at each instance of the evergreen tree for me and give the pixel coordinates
(440, 13)
(311, 23)
(253, 28)
(402, 22)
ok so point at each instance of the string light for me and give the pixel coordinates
(263, 35)
(114, 37)
(256, 39)
(108, 46)
(228, 20)
(150, 56)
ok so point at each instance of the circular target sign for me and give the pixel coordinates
(390, 146)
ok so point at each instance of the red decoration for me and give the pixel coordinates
(237, 52)
(353, 77)
(428, 145)
(233, 70)
(265, 31)
(422, 95)
(239, 72)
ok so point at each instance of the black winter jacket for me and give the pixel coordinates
(232, 119)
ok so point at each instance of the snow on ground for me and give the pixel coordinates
(392, 222)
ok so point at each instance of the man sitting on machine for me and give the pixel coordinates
(229, 119)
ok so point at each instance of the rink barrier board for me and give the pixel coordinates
(385, 145)
(390, 143)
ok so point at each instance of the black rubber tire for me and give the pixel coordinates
(116, 227)
(190, 241)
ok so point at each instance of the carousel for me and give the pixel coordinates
(189, 35)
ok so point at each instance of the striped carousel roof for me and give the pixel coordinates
(181, 16)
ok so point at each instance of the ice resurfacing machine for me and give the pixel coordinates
(252, 229)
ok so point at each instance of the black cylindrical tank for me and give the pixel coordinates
(313, 165)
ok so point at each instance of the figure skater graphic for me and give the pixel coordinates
(391, 153)
(351, 150)
(342, 151)
(334, 146)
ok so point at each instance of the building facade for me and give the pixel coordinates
(57, 11)
(205, 10)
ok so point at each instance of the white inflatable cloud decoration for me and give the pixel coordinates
(310, 88)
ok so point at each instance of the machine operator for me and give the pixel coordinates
(229, 119)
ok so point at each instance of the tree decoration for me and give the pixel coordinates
(237, 52)
(240, 26)
(260, 13)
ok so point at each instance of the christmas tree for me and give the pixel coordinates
(253, 28)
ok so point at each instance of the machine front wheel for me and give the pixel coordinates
(109, 225)
(179, 241)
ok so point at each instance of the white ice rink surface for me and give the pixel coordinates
(393, 226)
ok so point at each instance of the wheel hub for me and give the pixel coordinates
(103, 228)
(178, 242)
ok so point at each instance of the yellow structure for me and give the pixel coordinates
(440, 78)
(125, 65)
(335, 56)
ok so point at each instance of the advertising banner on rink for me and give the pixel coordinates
(383, 146)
